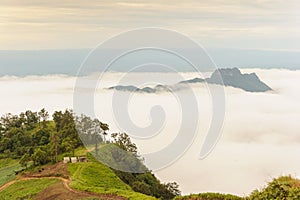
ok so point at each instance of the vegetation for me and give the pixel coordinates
(98, 178)
(284, 187)
(35, 140)
(29, 136)
(122, 156)
(7, 170)
(7, 162)
(209, 196)
(148, 184)
(26, 189)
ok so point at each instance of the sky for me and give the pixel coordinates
(261, 33)
(73, 24)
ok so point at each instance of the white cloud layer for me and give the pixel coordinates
(260, 137)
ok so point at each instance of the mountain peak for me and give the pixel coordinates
(233, 77)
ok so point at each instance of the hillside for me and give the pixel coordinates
(32, 149)
(76, 180)
(97, 178)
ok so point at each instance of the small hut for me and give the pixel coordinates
(82, 159)
(66, 159)
(73, 160)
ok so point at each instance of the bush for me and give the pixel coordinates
(210, 196)
(284, 187)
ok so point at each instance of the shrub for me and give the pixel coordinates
(284, 187)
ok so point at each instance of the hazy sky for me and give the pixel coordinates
(254, 24)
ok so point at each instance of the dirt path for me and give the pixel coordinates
(7, 185)
(30, 178)
(60, 193)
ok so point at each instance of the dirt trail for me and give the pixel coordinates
(30, 178)
(61, 194)
(7, 185)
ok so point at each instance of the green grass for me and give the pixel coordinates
(26, 189)
(98, 178)
(7, 168)
(7, 162)
(81, 151)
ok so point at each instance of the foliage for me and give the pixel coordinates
(209, 196)
(124, 142)
(115, 157)
(24, 160)
(172, 189)
(7, 162)
(91, 131)
(40, 157)
(284, 187)
(148, 184)
(26, 189)
(30, 136)
(96, 177)
(121, 155)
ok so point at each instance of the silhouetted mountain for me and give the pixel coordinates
(230, 77)
(194, 80)
(234, 77)
(131, 88)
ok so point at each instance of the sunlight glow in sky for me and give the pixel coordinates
(66, 24)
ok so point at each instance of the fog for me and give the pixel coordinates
(260, 138)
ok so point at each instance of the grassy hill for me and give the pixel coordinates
(91, 178)
(25, 189)
(98, 178)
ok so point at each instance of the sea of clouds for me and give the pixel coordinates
(260, 138)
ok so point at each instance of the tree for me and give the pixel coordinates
(44, 115)
(9, 121)
(141, 187)
(284, 187)
(54, 144)
(31, 119)
(57, 117)
(172, 190)
(40, 157)
(69, 145)
(124, 142)
(96, 132)
(91, 130)
(105, 128)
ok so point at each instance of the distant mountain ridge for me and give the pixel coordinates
(230, 77)
(68, 61)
